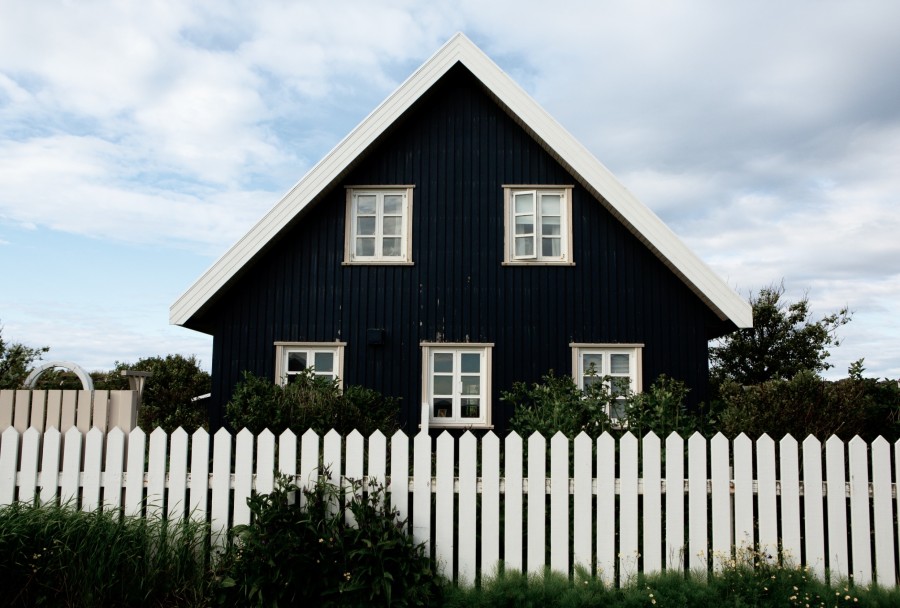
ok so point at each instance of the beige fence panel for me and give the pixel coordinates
(63, 409)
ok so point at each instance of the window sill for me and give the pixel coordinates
(459, 425)
(537, 263)
(377, 263)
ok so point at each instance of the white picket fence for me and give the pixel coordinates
(640, 506)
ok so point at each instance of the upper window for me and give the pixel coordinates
(617, 366)
(538, 224)
(456, 383)
(322, 359)
(379, 223)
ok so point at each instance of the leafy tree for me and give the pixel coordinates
(783, 341)
(15, 362)
(168, 397)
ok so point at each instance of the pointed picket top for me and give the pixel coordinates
(223, 434)
(467, 441)
(765, 440)
(788, 441)
(310, 435)
(605, 441)
(719, 440)
(286, 434)
(834, 442)
(399, 436)
(490, 440)
(377, 435)
(628, 439)
(267, 435)
(536, 441)
(673, 436)
(354, 435)
(29, 432)
(581, 439)
(245, 433)
(651, 436)
(856, 441)
(560, 434)
(332, 433)
(157, 432)
(179, 432)
(94, 432)
(812, 442)
(696, 440)
(200, 432)
(444, 438)
(512, 441)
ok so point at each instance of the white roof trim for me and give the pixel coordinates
(593, 175)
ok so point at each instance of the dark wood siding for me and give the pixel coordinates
(458, 148)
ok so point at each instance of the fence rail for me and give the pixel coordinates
(615, 507)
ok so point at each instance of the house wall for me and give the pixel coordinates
(458, 148)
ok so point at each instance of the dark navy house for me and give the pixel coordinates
(459, 240)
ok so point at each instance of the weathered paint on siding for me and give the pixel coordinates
(458, 148)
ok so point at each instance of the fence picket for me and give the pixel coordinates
(743, 495)
(93, 461)
(134, 481)
(606, 508)
(331, 460)
(399, 482)
(71, 469)
(113, 471)
(221, 487)
(9, 457)
(199, 494)
(443, 513)
(884, 525)
(468, 514)
(287, 454)
(628, 507)
(265, 462)
(178, 462)
(490, 502)
(789, 469)
(421, 507)
(49, 467)
(675, 552)
(838, 562)
(721, 501)
(377, 462)
(28, 477)
(583, 503)
(156, 474)
(813, 513)
(766, 497)
(354, 470)
(860, 528)
(512, 502)
(243, 477)
(559, 503)
(651, 547)
(309, 462)
(535, 558)
(697, 505)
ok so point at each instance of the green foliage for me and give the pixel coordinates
(305, 554)
(56, 556)
(807, 404)
(557, 404)
(662, 409)
(782, 342)
(168, 393)
(752, 580)
(16, 362)
(309, 402)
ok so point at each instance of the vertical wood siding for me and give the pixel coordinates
(458, 148)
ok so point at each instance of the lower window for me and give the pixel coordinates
(456, 383)
(322, 359)
(617, 366)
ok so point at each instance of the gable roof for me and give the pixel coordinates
(596, 178)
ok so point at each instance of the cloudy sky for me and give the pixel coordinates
(139, 140)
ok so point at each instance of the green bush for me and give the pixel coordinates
(295, 553)
(57, 556)
(557, 404)
(310, 402)
(806, 404)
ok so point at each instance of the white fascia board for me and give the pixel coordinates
(636, 216)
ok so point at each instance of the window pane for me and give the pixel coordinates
(470, 363)
(390, 247)
(589, 381)
(617, 409)
(550, 204)
(365, 204)
(443, 363)
(524, 225)
(592, 364)
(618, 364)
(471, 408)
(524, 203)
(365, 247)
(365, 225)
(471, 385)
(393, 204)
(550, 226)
(524, 246)
(443, 408)
(324, 362)
(296, 361)
(392, 226)
(551, 248)
(619, 386)
(443, 385)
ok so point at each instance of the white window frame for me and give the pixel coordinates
(283, 349)
(455, 418)
(565, 229)
(350, 239)
(635, 371)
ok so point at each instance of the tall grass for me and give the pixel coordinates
(56, 556)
